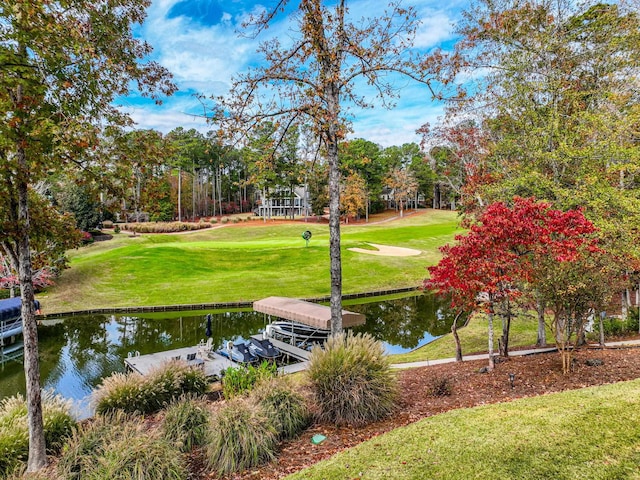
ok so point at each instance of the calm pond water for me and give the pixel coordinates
(77, 352)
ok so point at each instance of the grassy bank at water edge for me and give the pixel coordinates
(245, 262)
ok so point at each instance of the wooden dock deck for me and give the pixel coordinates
(213, 363)
(287, 349)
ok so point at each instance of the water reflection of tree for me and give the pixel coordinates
(89, 349)
(92, 347)
(12, 372)
(405, 321)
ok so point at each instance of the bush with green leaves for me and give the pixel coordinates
(119, 447)
(133, 392)
(241, 436)
(14, 432)
(186, 423)
(287, 408)
(614, 327)
(239, 380)
(351, 380)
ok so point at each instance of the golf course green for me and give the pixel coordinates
(245, 261)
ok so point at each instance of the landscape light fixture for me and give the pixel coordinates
(512, 377)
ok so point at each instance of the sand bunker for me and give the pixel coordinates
(387, 251)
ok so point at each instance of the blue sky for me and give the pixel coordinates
(197, 41)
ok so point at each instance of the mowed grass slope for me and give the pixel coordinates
(244, 263)
(592, 433)
(474, 339)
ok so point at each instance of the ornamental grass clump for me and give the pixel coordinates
(133, 392)
(287, 408)
(14, 431)
(241, 436)
(119, 447)
(186, 423)
(351, 380)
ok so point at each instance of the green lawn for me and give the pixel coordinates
(244, 262)
(592, 433)
(473, 338)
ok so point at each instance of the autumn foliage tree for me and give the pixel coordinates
(61, 66)
(575, 292)
(402, 185)
(553, 86)
(354, 196)
(496, 261)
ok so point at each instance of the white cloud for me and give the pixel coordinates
(436, 27)
(204, 59)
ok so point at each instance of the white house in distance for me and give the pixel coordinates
(281, 203)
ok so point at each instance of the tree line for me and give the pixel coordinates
(186, 175)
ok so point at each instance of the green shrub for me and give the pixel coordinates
(633, 320)
(133, 392)
(116, 229)
(213, 221)
(186, 423)
(119, 448)
(224, 220)
(237, 381)
(287, 408)
(351, 380)
(615, 327)
(241, 436)
(14, 431)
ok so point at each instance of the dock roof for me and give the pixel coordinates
(312, 314)
(11, 308)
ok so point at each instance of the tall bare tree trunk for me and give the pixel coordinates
(490, 318)
(179, 194)
(601, 328)
(220, 188)
(193, 194)
(503, 341)
(37, 448)
(542, 331)
(624, 304)
(454, 331)
(334, 213)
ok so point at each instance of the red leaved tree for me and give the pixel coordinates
(495, 262)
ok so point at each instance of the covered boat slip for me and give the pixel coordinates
(11, 327)
(311, 314)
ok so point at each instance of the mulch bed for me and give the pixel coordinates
(534, 375)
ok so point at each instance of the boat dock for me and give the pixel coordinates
(212, 362)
